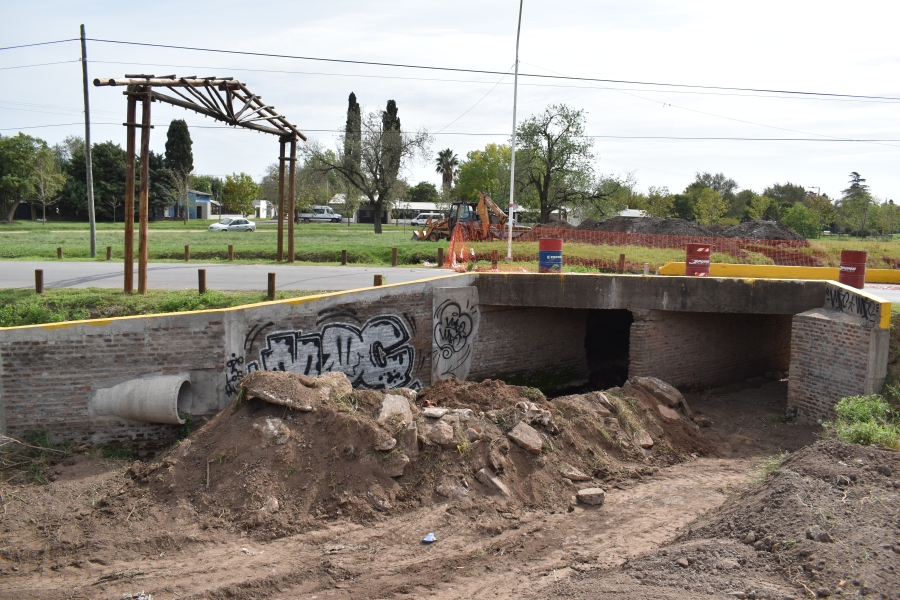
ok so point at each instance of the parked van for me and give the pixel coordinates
(422, 218)
(320, 214)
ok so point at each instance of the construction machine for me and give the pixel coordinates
(484, 221)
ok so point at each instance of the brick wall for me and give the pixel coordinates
(833, 355)
(708, 349)
(540, 347)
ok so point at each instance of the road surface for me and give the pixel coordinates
(180, 276)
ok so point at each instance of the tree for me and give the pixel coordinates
(180, 160)
(423, 191)
(709, 206)
(17, 155)
(108, 163)
(822, 206)
(757, 206)
(784, 196)
(556, 159)
(446, 164)
(392, 140)
(375, 178)
(209, 184)
(725, 186)
(48, 179)
(802, 220)
(239, 192)
(485, 170)
(658, 202)
(855, 202)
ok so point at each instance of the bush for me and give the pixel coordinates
(866, 420)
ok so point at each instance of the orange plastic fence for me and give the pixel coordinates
(601, 250)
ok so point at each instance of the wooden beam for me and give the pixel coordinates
(280, 255)
(293, 175)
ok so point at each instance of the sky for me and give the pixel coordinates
(790, 45)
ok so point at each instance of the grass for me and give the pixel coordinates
(866, 420)
(28, 459)
(318, 243)
(24, 307)
(765, 466)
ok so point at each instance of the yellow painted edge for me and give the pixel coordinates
(782, 272)
(290, 301)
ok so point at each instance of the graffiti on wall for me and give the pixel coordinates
(376, 355)
(455, 322)
(847, 302)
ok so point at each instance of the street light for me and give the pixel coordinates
(891, 218)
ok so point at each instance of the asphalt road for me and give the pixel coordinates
(177, 276)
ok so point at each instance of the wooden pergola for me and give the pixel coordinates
(221, 98)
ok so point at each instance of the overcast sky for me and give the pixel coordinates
(821, 46)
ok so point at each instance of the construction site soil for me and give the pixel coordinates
(757, 230)
(304, 488)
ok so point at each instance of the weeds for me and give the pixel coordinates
(865, 420)
(534, 394)
(187, 427)
(29, 459)
(349, 402)
(765, 466)
(116, 452)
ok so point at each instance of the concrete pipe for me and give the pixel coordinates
(150, 400)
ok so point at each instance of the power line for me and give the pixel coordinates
(487, 72)
(41, 44)
(62, 62)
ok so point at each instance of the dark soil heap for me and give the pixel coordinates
(755, 230)
(761, 230)
(364, 455)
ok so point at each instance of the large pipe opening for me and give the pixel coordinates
(606, 345)
(149, 400)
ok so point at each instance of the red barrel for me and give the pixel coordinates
(697, 262)
(550, 252)
(853, 268)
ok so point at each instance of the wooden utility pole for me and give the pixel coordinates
(130, 124)
(87, 147)
(143, 247)
(291, 199)
(280, 255)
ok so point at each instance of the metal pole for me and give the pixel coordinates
(512, 161)
(87, 146)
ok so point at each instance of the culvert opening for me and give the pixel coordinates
(185, 397)
(606, 344)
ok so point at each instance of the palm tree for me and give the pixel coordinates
(446, 165)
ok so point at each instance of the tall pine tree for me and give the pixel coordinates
(390, 123)
(179, 160)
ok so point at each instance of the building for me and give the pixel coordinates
(201, 205)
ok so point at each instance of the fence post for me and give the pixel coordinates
(230, 252)
(343, 257)
(393, 257)
(39, 281)
(494, 260)
(109, 253)
(379, 280)
(646, 268)
(201, 280)
(59, 252)
(271, 286)
(621, 263)
(187, 253)
(440, 261)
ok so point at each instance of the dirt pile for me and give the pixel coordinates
(365, 455)
(826, 522)
(647, 225)
(761, 230)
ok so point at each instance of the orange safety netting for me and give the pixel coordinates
(628, 252)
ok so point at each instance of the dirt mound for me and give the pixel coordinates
(647, 225)
(761, 230)
(365, 455)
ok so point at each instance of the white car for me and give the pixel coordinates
(233, 225)
(422, 218)
(320, 214)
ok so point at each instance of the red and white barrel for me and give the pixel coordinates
(853, 268)
(697, 260)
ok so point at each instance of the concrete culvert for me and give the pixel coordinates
(150, 400)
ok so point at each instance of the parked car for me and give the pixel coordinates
(320, 214)
(233, 225)
(422, 218)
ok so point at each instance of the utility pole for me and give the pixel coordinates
(512, 161)
(87, 146)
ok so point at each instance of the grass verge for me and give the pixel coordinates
(866, 420)
(24, 307)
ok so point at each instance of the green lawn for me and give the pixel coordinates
(313, 242)
(24, 307)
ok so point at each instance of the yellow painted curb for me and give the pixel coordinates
(781, 272)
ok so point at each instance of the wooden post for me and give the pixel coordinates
(271, 286)
(280, 253)
(230, 252)
(109, 253)
(291, 205)
(494, 259)
(343, 257)
(440, 258)
(379, 280)
(393, 257)
(89, 176)
(38, 281)
(621, 268)
(143, 237)
(59, 252)
(130, 118)
(201, 280)
(187, 252)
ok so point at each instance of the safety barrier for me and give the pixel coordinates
(602, 251)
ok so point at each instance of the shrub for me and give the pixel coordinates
(866, 420)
